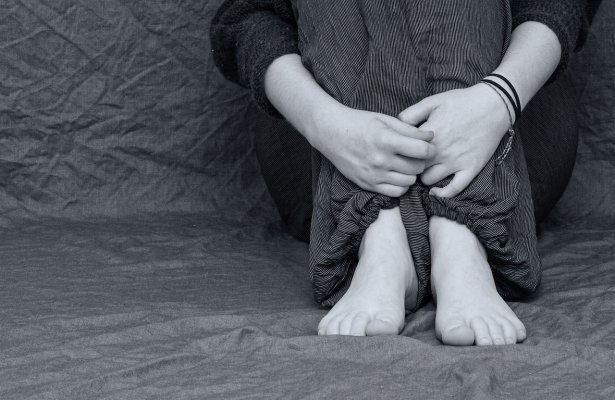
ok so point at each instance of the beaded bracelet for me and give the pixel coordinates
(511, 130)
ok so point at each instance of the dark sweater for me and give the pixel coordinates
(248, 35)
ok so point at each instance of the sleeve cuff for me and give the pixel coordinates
(259, 49)
(568, 21)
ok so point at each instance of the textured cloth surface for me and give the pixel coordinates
(381, 57)
(151, 263)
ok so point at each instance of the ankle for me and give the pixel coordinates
(386, 231)
(446, 234)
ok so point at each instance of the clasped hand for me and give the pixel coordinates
(451, 133)
(377, 152)
(469, 125)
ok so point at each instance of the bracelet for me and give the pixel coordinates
(512, 89)
(511, 130)
(508, 96)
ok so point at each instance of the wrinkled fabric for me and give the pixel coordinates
(142, 257)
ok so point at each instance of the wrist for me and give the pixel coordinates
(320, 122)
(507, 92)
(498, 109)
(501, 104)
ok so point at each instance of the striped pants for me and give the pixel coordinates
(384, 56)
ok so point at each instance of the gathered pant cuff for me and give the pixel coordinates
(342, 215)
(496, 207)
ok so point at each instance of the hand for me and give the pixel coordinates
(468, 125)
(377, 152)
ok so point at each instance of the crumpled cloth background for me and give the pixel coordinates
(141, 256)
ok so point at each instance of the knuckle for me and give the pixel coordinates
(423, 150)
(377, 159)
(379, 140)
(367, 181)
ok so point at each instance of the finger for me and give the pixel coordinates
(391, 190)
(398, 125)
(419, 112)
(412, 148)
(397, 179)
(408, 130)
(460, 181)
(407, 166)
(435, 174)
(420, 134)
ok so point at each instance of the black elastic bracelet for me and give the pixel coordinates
(512, 89)
(511, 131)
(508, 96)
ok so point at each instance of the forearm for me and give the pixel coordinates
(292, 90)
(532, 57)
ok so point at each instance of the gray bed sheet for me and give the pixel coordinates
(141, 257)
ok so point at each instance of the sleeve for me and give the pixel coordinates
(247, 36)
(567, 18)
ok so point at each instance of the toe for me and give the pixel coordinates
(482, 337)
(345, 325)
(510, 334)
(496, 332)
(322, 325)
(456, 333)
(333, 327)
(520, 329)
(359, 324)
(381, 326)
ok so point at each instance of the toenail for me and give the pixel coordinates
(499, 341)
(485, 341)
(510, 340)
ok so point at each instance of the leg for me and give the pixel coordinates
(364, 77)
(470, 309)
(284, 157)
(383, 286)
(489, 255)
(549, 122)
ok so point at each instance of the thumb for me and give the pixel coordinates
(418, 113)
(460, 181)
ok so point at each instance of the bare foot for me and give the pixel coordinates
(469, 308)
(383, 286)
